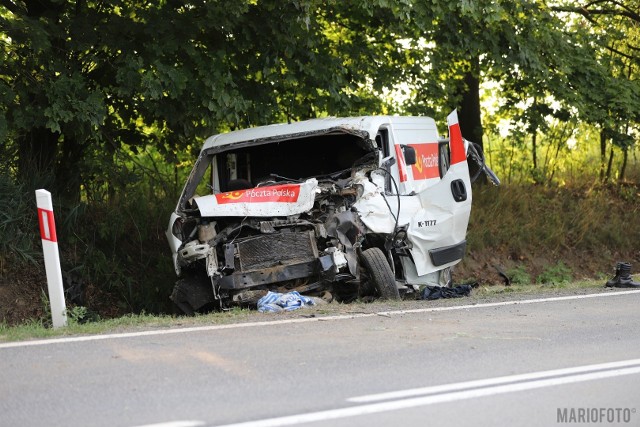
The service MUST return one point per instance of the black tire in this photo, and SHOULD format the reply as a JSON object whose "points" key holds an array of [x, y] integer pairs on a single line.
{"points": [[380, 274]]}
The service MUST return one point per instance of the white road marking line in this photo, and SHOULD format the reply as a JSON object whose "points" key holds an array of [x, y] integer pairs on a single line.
{"points": [[634, 363], [185, 423], [394, 405], [302, 320]]}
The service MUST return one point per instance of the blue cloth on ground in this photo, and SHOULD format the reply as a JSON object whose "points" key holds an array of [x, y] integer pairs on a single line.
{"points": [[274, 302]]}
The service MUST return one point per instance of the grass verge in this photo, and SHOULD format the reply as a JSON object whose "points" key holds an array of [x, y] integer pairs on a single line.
{"points": [[38, 329]]}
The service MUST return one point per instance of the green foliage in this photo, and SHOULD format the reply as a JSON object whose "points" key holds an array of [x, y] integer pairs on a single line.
{"points": [[79, 314], [119, 245], [46, 319], [115, 245], [555, 275], [106, 104], [32, 328], [519, 275], [18, 222], [127, 75], [524, 218]]}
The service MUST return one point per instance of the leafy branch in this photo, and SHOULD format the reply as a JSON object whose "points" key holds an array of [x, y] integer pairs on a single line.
{"points": [[587, 11]]}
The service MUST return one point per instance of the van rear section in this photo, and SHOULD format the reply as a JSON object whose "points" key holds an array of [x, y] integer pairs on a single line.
{"points": [[337, 208]]}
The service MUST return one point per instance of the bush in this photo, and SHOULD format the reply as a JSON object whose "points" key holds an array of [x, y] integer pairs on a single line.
{"points": [[555, 275], [120, 247], [113, 251], [519, 275], [18, 220]]}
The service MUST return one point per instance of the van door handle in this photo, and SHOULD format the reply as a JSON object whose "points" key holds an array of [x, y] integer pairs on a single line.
{"points": [[458, 190]]}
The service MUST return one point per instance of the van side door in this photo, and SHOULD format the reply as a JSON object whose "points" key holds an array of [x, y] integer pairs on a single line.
{"points": [[440, 181]]}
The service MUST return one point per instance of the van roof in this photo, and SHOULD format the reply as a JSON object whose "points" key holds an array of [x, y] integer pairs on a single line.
{"points": [[368, 124]]}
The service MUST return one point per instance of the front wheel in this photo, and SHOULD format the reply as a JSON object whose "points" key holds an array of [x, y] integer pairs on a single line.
{"points": [[380, 274], [192, 293]]}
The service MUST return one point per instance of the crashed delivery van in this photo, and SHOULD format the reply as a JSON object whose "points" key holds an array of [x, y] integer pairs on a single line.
{"points": [[340, 208]]}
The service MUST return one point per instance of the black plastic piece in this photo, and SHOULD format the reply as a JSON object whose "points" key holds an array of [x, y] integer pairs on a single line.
{"points": [[459, 190], [409, 154], [447, 254]]}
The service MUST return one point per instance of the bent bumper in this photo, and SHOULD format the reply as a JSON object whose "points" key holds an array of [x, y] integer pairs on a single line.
{"points": [[322, 267]]}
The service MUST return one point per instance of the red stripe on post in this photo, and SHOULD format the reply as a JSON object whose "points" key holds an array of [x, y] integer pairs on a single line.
{"points": [[47, 225]]}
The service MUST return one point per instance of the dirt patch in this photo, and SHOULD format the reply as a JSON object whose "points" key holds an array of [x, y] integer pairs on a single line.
{"points": [[485, 267], [21, 295]]}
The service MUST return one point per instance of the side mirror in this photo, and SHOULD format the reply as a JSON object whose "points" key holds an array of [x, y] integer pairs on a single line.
{"points": [[409, 154]]}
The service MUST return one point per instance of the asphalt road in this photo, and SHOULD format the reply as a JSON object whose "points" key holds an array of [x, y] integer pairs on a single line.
{"points": [[569, 361]]}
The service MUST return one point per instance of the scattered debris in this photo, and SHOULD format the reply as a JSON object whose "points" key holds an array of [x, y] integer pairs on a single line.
{"points": [[503, 275], [275, 302], [437, 292]]}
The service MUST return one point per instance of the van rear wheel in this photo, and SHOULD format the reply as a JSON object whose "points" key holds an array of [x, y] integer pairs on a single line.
{"points": [[380, 274]]}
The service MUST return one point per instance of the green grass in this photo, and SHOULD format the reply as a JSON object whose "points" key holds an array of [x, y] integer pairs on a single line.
{"points": [[519, 275], [540, 288], [39, 329], [116, 249], [525, 218], [558, 274], [529, 230]]}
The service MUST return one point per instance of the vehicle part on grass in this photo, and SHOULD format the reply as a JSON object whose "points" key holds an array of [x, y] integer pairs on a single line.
{"points": [[503, 275], [623, 278], [337, 208]]}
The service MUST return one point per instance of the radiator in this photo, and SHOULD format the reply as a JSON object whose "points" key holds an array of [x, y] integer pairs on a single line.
{"points": [[268, 250]]}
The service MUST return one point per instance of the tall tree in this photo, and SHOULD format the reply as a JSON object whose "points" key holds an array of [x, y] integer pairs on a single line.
{"points": [[617, 97], [81, 79], [470, 43]]}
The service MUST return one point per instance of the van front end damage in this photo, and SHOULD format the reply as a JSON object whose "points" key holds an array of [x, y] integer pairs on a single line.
{"points": [[335, 209], [244, 257]]}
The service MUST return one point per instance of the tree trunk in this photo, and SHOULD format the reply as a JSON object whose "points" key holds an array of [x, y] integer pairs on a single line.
{"points": [[603, 152], [45, 160], [534, 149], [470, 113], [36, 156], [68, 170], [533, 127], [623, 168], [608, 174]]}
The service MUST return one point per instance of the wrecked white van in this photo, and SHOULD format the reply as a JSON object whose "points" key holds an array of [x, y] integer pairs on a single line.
{"points": [[340, 208]]}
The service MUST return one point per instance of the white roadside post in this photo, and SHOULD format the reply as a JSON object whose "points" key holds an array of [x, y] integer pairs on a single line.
{"points": [[51, 258]]}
